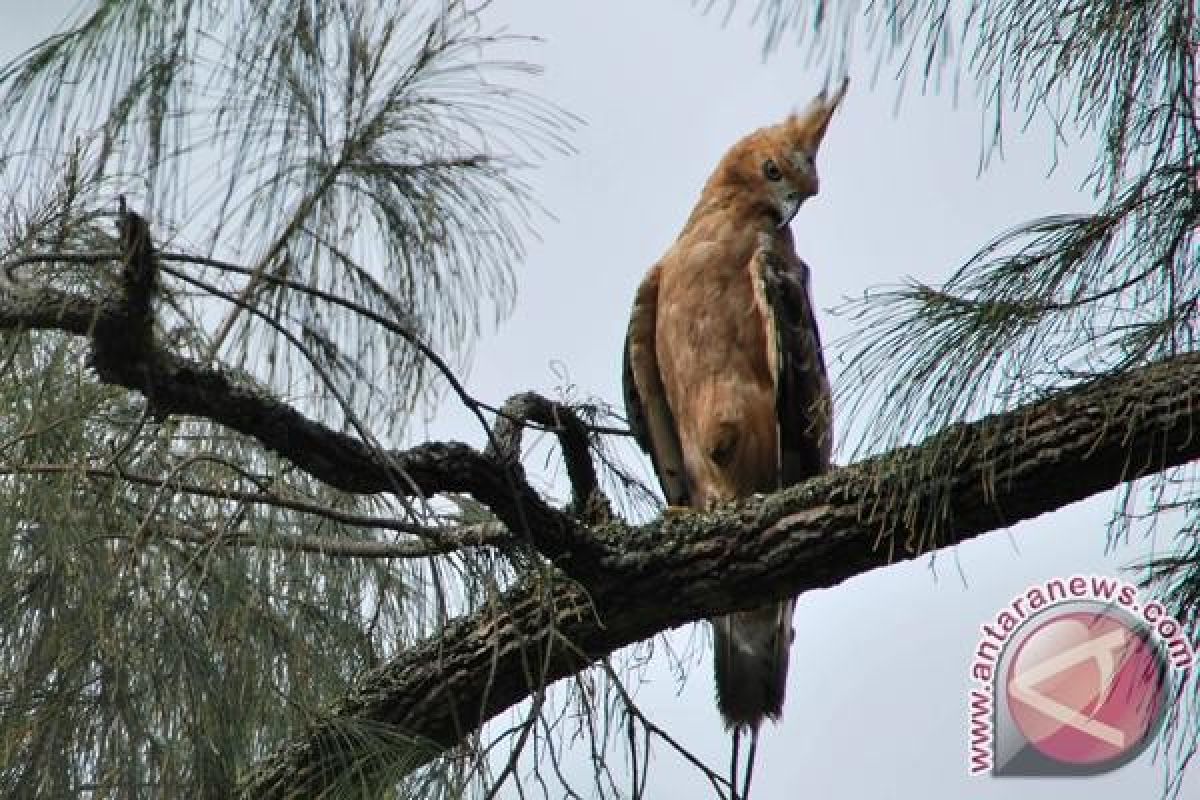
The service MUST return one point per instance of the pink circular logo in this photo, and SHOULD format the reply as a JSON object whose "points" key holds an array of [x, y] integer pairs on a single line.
{"points": [[1087, 687]]}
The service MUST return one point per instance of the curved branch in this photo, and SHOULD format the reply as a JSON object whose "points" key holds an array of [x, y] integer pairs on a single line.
{"points": [[588, 501], [176, 385], [965, 481]]}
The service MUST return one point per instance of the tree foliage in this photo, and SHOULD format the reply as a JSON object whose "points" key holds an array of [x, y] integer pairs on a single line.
{"points": [[161, 624], [221, 571]]}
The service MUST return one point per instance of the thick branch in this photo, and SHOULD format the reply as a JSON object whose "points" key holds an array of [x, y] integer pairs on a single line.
{"points": [[967, 480], [176, 385], [628, 584]]}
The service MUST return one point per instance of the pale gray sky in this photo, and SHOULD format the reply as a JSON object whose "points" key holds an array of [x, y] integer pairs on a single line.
{"points": [[880, 668]]}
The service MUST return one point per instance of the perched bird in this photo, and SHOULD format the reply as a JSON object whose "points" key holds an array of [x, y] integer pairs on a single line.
{"points": [[725, 384]]}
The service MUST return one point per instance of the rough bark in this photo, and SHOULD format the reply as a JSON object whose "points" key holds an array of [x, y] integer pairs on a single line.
{"points": [[611, 585], [958, 484]]}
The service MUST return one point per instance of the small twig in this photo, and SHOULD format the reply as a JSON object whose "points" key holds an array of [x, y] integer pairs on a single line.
{"points": [[717, 780], [358, 308], [436, 540], [476, 535]]}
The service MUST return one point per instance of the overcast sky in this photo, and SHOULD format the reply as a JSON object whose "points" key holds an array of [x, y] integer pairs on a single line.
{"points": [[877, 693]]}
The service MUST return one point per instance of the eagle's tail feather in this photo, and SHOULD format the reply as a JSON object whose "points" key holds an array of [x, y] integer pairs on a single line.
{"points": [[751, 663]]}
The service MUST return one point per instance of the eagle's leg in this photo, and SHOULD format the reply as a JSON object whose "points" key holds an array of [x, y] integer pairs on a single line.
{"points": [[733, 763], [750, 763]]}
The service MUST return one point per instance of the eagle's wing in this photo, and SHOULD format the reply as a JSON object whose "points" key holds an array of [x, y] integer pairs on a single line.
{"points": [[646, 406], [804, 407]]}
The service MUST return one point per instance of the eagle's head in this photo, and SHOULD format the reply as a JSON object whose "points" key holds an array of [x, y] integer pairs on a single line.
{"points": [[778, 164]]}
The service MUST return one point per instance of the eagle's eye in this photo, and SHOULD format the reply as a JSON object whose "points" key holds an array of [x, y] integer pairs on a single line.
{"points": [[771, 171]]}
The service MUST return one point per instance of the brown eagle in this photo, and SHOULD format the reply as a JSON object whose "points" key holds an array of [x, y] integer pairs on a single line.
{"points": [[725, 384]]}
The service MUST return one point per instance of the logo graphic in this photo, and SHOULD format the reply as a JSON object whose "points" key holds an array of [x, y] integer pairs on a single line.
{"points": [[1073, 678]]}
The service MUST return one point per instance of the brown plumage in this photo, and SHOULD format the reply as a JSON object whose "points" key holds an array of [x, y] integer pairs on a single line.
{"points": [[725, 384]]}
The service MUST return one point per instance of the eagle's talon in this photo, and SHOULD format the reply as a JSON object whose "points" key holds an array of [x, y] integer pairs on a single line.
{"points": [[675, 512]]}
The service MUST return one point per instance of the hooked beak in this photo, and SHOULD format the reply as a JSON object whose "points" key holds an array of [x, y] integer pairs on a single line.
{"points": [[791, 205]]}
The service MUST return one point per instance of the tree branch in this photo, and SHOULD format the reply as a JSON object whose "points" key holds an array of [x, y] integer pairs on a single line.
{"points": [[964, 481], [452, 540], [433, 540], [960, 483], [124, 354], [587, 500]]}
